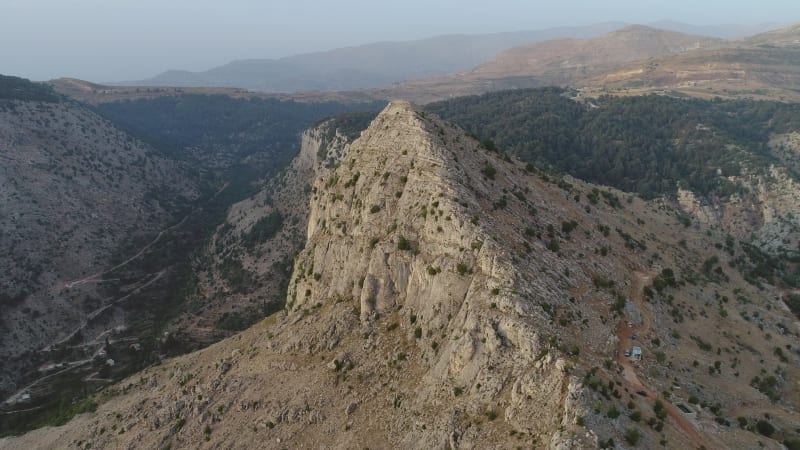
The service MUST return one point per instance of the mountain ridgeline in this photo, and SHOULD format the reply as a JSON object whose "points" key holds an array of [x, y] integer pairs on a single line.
{"points": [[451, 296], [634, 60], [367, 66], [730, 164], [649, 145]]}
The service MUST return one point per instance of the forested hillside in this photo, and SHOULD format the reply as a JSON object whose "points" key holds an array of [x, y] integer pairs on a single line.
{"points": [[649, 145], [15, 88], [220, 130]]}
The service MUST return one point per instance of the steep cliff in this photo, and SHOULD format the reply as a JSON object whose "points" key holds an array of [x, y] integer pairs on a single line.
{"points": [[404, 228], [244, 268], [765, 209]]}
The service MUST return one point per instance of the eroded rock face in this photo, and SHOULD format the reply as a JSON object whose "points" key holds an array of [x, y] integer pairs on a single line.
{"points": [[395, 228], [266, 262], [765, 205]]}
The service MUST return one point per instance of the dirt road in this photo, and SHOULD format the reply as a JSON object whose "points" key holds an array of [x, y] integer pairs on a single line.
{"points": [[97, 278], [625, 334], [97, 312]]}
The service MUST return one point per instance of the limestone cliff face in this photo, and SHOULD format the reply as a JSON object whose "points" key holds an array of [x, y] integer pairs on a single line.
{"points": [[765, 206], [692, 205], [265, 262], [404, 224]]}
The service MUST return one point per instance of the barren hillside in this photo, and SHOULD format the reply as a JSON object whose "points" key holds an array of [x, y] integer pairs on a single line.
{"points": [[79, 196], [631, 61]]}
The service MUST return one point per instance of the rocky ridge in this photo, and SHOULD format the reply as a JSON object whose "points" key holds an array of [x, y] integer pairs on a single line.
{"points": [[449, 297], [265, 256]]}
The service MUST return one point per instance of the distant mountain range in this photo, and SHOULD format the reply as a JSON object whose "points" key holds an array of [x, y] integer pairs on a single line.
{"points": [[380, 64], [634, 59], [366, 66]]}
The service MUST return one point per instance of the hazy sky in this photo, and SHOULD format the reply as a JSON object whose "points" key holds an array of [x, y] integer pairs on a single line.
{"points": [[113, 40]]}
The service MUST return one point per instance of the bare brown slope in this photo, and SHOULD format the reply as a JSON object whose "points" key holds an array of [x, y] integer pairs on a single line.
{"points": [[787, 36], [557, 62], [568, 60], [634, 61], [765, 66]]}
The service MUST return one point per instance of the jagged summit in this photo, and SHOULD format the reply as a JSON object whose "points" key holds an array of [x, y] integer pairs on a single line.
{"points": [[411, 187]]}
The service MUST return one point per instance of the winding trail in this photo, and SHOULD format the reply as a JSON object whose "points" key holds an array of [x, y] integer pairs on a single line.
{"points": [[97, 278], [70, 366], [98, 311], [625, 334]]}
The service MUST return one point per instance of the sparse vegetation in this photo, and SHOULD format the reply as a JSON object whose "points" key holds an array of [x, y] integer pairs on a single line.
{"points": [[489, 171], [403, 244], [632, 436]]}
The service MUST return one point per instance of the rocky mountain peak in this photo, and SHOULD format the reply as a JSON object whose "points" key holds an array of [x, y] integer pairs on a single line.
{"points": [[404, 229]]}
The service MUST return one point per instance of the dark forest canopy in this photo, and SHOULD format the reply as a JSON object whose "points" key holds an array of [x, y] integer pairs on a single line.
{"points": [[15, 88], [210, 122], [648, 145]]}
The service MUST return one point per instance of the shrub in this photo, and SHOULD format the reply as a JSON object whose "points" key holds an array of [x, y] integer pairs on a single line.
{"points": [[568, 227], [658, 408], [374, 209], [264, 229], [632, 436], [765, 428], [742, 422], [767, 385], [403, 244], [489, 171], [792, 444], [489, 144], [462, 268]]}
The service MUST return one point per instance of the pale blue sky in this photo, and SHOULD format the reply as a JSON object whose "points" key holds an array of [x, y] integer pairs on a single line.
{"points": [[112, 40]]}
